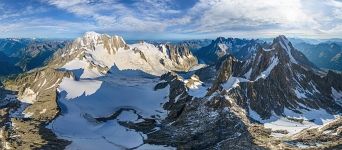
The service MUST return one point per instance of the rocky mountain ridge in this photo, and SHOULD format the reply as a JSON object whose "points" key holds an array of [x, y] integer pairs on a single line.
{"points": [[230, 104], [242, 49]]}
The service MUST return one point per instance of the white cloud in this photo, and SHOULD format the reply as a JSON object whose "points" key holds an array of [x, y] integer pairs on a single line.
{"points": [[295, 17], [114, 16], [311, 18], [43, 27]]}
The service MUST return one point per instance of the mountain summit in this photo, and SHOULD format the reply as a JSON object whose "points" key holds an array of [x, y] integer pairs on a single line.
{"points": [[101, 52]]}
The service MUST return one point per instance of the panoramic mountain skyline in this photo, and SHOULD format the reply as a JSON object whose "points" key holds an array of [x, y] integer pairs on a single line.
{"points": [[171, 19], [170, 74]]}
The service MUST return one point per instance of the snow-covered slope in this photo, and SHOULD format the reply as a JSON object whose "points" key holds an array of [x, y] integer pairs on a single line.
{"points": [[114, 83], [102, 98], [96, 53]]}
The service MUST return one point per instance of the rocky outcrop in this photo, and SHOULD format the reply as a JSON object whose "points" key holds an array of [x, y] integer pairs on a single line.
{"points": [[326, 137], [180, 55], [278, 78], [36, 106], [195, 123]]}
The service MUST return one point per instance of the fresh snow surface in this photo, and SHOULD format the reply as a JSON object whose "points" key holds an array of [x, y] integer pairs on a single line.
{"points": [[27, 114], [285, 44], [127, 116], [79, 88], [267, 50], [197, 89], [43, 111], [248, 74], [197, 67], [337, 95], [104, 96], [200, 91], [300, 93], [128, 59], [312, 119], [140, 56], [273, 62], [83, 66], [29, 96], [155, 147], [233, 82], [223, 47]]}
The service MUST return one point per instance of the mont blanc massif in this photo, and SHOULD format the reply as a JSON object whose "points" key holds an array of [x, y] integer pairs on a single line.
{"points": [[97, 91], [170, 75]]}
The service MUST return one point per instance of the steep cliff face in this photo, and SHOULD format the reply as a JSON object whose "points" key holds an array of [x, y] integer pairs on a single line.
{"points": [[277, 79], [180, 55], [194, 123]]}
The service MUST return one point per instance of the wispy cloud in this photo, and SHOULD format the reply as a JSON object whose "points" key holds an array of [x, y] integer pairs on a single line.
{"points": [[142, 16], [288, 16], [207, 18]]}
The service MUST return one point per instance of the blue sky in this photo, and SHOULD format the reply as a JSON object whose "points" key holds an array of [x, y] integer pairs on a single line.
{"points": [[171, 19]]}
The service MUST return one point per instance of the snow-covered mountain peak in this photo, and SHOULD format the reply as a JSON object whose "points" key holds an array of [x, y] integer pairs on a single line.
{"points": [[286, 46], [282, 37], [92, 34], [220, 40], [97, 53], [289, 53], [91, 39]]}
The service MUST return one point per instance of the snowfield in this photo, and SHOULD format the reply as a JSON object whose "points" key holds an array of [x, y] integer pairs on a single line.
{"points": [[273, 62], [311, 119], [83, 100]]}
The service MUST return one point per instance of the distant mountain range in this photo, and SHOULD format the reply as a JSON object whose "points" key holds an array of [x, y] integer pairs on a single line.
{"points": [[327, 55], [20, 55]]}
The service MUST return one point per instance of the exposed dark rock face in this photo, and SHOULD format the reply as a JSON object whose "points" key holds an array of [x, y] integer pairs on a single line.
{"points": [[280, 77], [195, 123], [227, 67]]}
